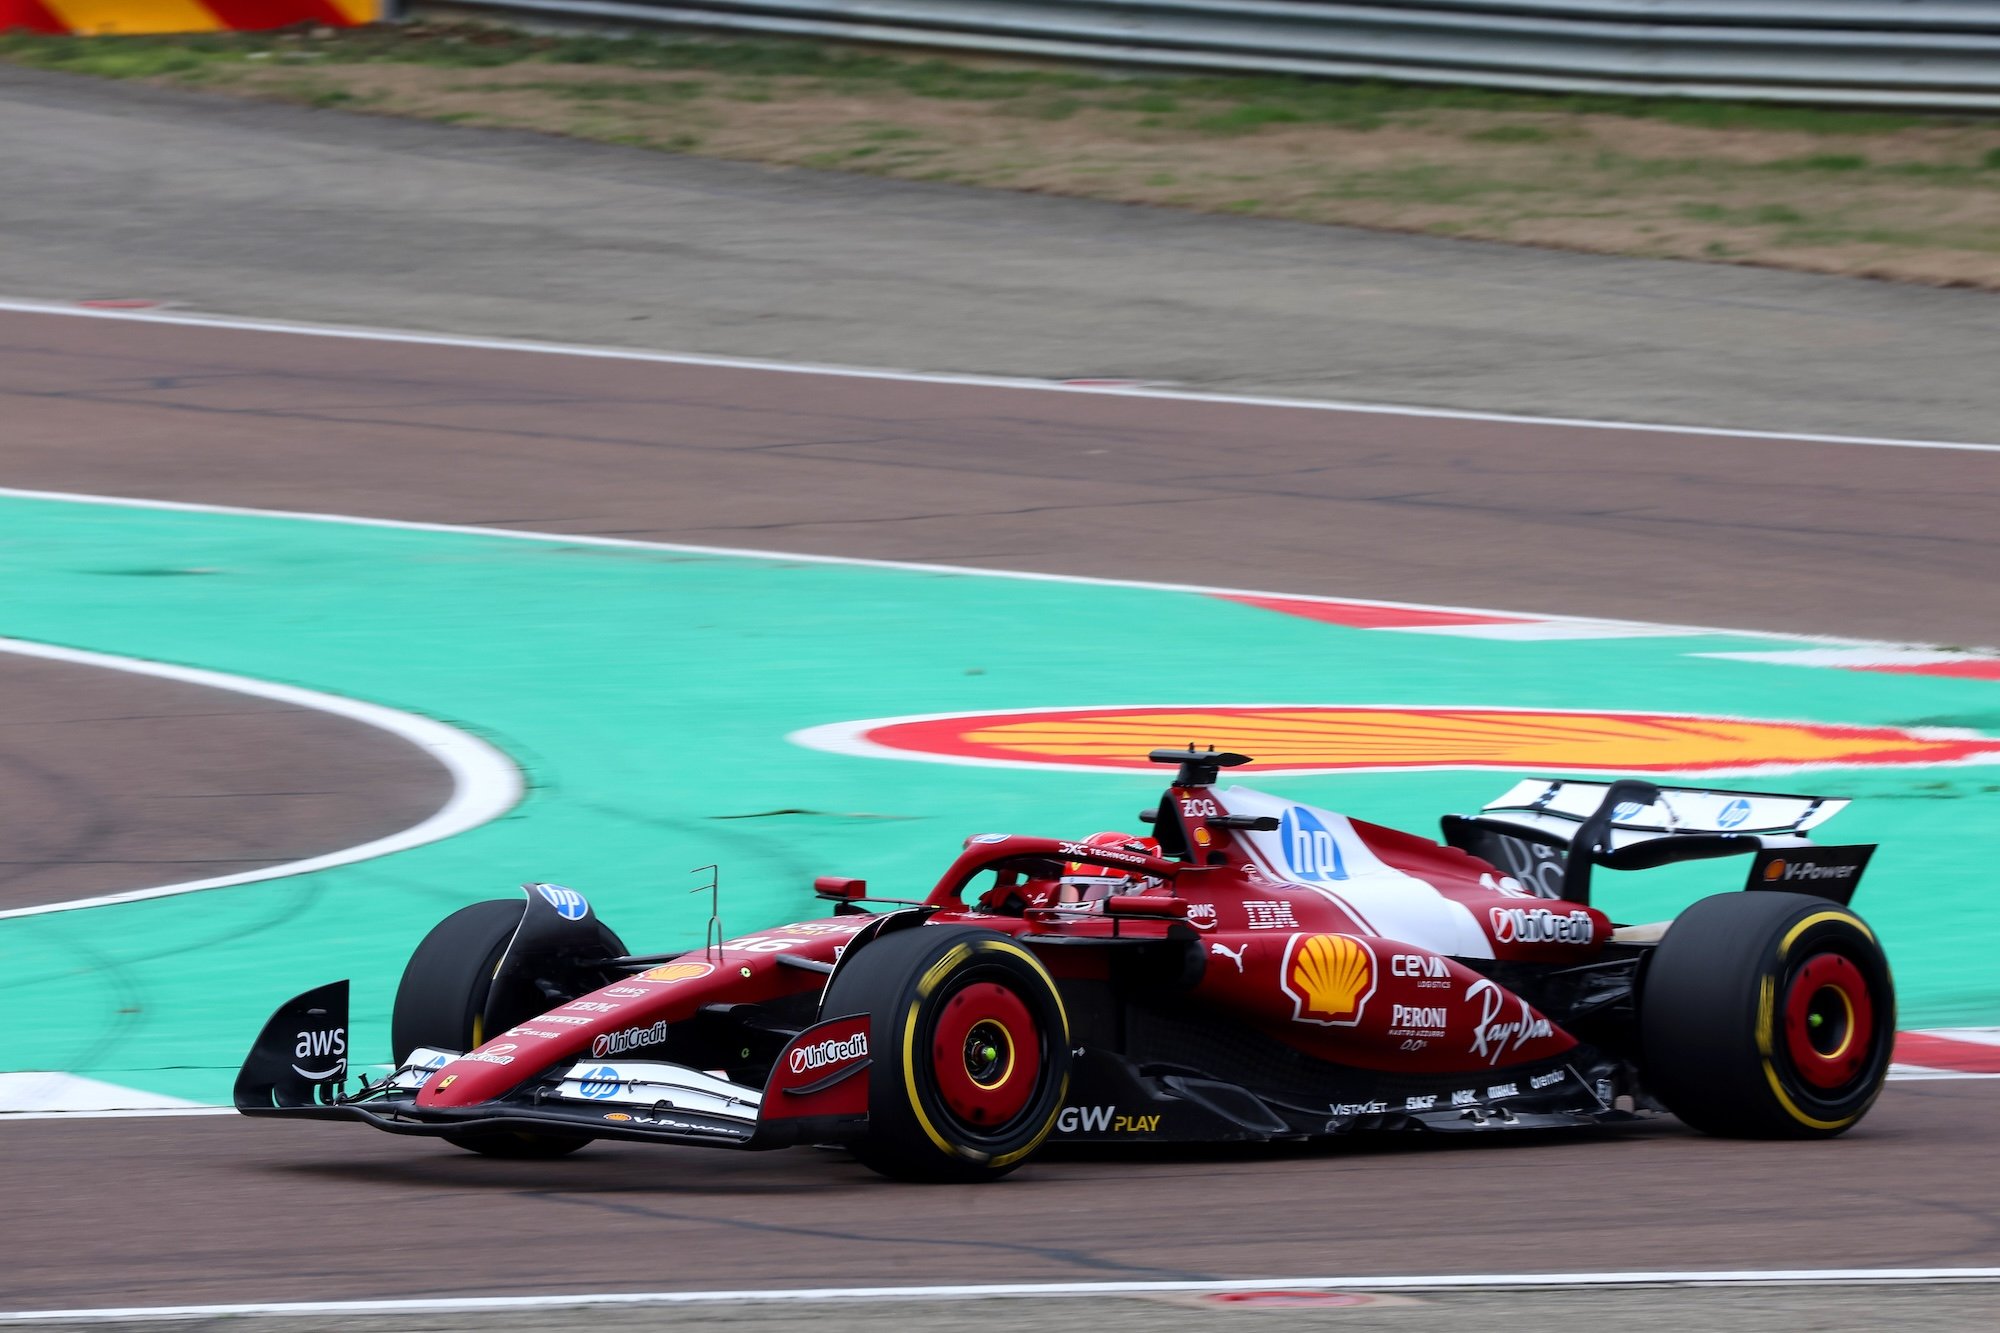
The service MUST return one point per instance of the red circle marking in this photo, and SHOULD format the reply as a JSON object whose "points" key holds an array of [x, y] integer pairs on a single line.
{"points": [[1830, 986], [986, 1093], [1334, 737], [1286, 1298]]}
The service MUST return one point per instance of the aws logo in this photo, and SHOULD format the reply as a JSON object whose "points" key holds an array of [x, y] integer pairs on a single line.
{"points": [[1328, 978], [324, 1046]]}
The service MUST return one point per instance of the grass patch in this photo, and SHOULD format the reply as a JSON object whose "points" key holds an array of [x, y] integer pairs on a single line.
{"points": [[1761, 215], [1150, 103], [1612, 174], [1044, 108], [1822, 162], [1247, 119], [1511, 134], [1252, 99], [597, 91]]}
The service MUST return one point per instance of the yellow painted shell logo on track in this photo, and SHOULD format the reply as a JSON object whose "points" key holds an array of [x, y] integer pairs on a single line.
{"points": [[1334, 737], [1329, 979]]}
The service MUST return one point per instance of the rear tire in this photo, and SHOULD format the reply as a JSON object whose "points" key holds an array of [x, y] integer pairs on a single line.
{"points": [[970, 1052], [442, 999], [1767, 1015]]}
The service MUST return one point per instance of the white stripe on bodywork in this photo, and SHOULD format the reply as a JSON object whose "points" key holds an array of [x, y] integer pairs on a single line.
{"points": [[1388, 903]]}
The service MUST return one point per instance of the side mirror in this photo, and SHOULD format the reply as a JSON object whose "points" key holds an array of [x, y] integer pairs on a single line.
{"points": [[839, 889]]}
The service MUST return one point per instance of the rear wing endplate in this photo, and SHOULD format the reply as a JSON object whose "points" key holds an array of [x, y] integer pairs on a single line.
{"points": [[1550, 833]]}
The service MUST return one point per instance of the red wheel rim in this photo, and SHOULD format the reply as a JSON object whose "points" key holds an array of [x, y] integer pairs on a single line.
{"points": [[986, 1055], [1829, 1021]]}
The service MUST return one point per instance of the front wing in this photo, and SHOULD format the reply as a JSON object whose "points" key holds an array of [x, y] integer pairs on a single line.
{"points": [[298, 1069]]}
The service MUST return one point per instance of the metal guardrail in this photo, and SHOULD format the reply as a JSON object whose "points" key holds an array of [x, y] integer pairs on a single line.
{"points": [[1929, 53]]}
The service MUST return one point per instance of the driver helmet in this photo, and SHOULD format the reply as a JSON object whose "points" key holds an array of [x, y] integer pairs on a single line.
{"points": [[1083, 882]]}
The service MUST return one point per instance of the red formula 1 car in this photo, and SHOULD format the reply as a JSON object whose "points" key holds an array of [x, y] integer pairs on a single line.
{"points": [[1255, 969]]}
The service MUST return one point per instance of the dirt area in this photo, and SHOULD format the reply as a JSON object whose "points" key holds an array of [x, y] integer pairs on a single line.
{"points": [[1907, 197]]}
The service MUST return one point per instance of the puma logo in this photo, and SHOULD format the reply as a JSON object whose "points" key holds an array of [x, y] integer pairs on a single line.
{"points": [[1233, 955]]}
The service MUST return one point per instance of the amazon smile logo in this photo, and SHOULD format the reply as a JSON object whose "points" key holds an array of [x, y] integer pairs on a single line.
{"points": [[1324, 738]]}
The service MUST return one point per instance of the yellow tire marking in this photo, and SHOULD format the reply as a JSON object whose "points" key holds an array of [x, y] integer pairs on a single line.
{"points": [[1847, 1039], [1008, 946], [929, 982], [1007, 1067], [1771, 1075], [934, 975], [910, 1080], [1767, 991], [1764, 1015], [1792, 935], [1055, 1109]]}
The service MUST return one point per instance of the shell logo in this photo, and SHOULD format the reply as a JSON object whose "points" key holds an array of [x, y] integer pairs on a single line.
{"points": [[1320, 738], [676, 972], [1775, 870], [1329, 979]]}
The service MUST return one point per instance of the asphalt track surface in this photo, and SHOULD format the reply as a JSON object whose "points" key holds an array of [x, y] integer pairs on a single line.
{"points": [[175, 1211], [1759, 534], [221, 1209], [203, 782], [120, 190]]}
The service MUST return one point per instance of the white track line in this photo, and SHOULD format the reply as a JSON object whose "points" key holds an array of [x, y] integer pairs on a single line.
{"points": [[120, 1113], [187, 319], [44, 1092], [485, 783], [985, 1291], [1859, 659]]}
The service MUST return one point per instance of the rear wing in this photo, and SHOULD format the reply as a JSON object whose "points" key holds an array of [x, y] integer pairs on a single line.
{"points": [[1550, 834]]}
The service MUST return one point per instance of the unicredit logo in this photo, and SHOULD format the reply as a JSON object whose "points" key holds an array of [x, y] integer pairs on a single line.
{"points": [[1516, 925], [617, 1043], [829, 1052]]}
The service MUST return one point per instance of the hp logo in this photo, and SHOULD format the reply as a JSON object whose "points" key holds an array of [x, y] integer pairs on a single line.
{"points": [[1310, 850], [566, 901]]}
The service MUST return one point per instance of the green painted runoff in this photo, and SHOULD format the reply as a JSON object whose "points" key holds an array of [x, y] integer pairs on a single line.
{"points": [[647, 695]]}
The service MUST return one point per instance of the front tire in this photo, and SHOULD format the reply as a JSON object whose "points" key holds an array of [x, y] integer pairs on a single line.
{"points": [[441, 1002], [970, 1052], [1767, 1015]]}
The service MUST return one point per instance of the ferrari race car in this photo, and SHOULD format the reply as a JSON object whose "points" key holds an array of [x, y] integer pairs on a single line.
{"points": [[1255, 969]]}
